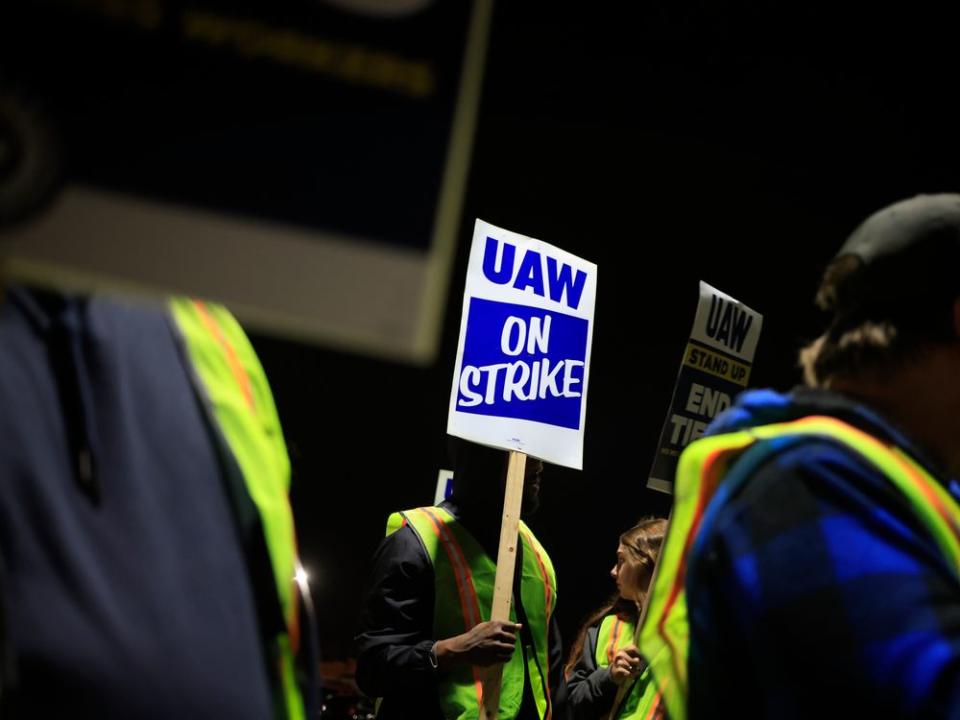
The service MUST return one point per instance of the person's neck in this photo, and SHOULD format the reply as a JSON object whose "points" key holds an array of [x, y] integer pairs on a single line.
{"points": [[482, 519], [922, 398]]}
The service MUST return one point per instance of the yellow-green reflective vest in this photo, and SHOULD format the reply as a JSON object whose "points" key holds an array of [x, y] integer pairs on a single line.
{"points": [[616, 633], [463, 584], [238, 400], [702, 472]]}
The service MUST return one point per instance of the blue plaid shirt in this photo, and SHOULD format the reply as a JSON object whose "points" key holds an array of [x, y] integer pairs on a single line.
{"points": [[814, 591]]}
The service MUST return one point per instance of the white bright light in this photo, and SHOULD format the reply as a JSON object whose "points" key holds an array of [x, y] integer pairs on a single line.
{"points": [[301, 576]]}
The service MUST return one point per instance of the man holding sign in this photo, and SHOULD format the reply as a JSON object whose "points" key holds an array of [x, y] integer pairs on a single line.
{"points": [[488, 648], [425, 631]]}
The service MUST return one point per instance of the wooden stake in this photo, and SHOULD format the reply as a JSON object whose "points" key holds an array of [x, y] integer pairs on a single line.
{"points": [[503, 584]]}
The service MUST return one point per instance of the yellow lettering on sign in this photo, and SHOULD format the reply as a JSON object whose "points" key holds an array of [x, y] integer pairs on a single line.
{"points": [[716, 364]]}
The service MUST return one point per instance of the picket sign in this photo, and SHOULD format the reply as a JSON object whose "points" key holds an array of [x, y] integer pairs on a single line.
{"points": [[716, 365], [520, 381]]}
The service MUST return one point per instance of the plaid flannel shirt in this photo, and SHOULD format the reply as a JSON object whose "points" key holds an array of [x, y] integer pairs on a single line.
{"points": [[815, 591]]}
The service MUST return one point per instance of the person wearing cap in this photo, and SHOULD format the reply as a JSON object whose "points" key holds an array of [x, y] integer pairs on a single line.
{"points": [[423, 642], [812, 564]]}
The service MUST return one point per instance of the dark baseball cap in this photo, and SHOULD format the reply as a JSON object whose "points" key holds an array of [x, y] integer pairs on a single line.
{"points": [[902, 263]]}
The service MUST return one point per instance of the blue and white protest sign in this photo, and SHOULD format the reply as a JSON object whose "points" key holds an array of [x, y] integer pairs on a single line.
{"points": [[444, 486], [523, 360], [716, 366]]}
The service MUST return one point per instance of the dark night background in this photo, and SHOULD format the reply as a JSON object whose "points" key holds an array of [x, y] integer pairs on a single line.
{"points": [[732, 142]]}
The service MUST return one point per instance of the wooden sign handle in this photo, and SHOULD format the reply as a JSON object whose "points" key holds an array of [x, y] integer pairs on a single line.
{"points": [[503, 584]]}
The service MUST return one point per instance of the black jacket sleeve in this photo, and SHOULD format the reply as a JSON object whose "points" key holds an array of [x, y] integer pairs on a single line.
{"points": [[396, 622], [590, 689]]}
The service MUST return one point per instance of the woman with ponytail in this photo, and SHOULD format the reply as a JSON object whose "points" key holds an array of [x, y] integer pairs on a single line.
{"points": [[603, 657]]}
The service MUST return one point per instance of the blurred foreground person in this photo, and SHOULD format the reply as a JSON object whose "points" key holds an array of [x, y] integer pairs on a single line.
{"points": [[812, 564], [147, 551]]}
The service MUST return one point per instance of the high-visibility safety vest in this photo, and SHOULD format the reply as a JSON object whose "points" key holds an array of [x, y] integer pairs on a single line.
{"points": [[703, 485], [233, 387], [643, 700], [463, 584]]}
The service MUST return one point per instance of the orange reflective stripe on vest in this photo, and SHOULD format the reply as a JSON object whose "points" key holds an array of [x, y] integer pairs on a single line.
{"points": [[464, 579], [703, 466], [236, 367], [229, 378], [614, 640], [243, 381], [655, 705], [713, 469], [922, 490], [548, 604], [465, 589]]}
